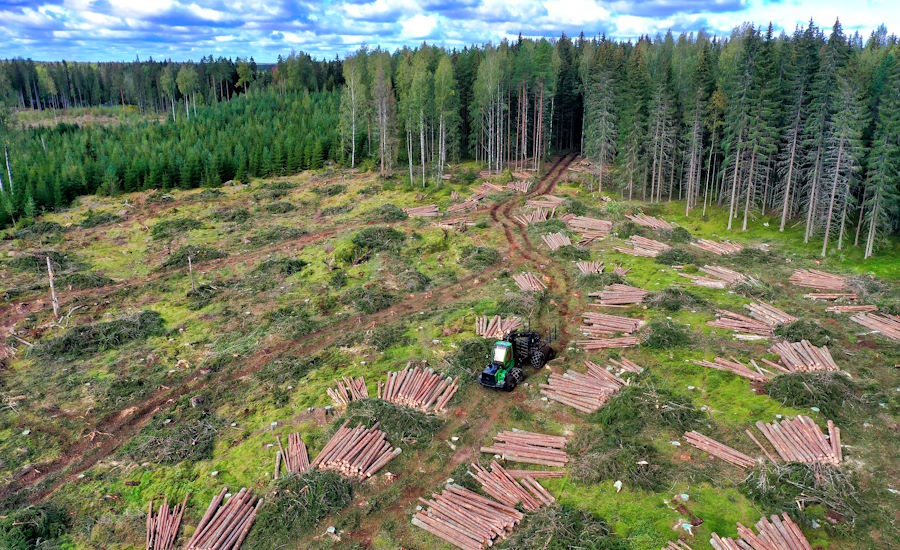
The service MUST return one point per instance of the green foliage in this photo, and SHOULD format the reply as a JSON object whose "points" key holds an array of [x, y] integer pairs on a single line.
{"points": [[370, 299], [198, 254], [469, 359], [208, 194], [87, 339], [755, 289], [276, 234], [331, 190], [200, 297], [676, 256], [575, 206], [291, 369], [337, 209], [338, 279], [388, 212], [560, 527], [680, 235], [410, 279], [38, 229], [596, 281], [36, 262], [805, 329], [629, 228], [401, 425], [478, 258], [231, 215], [33, 527], [570, 253], [389, 335], [281, 207], [523, 304], [184, 433], [84, 279], [169, 229], [752, 257], [835, 394], [159, 197], [674, 299], [294, 320], [378, 238], [95, 219], [281, 266], [666, 334], [645, 405], [294, 505]]}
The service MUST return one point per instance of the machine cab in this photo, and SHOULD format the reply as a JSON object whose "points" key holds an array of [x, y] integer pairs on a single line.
{"points": [[502, 355]]}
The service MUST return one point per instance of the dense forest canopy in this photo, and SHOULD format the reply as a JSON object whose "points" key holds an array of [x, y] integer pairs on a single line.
{"points": [[804, 126]]}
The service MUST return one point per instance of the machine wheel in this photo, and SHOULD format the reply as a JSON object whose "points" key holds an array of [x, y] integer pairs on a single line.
{"points": [[514, 378], [538, 359]]}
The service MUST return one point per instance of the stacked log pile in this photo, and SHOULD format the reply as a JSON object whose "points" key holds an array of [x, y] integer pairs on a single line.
{"points": [[529, 282], [162, 528], [418, 388], [499, 484], [625, 365], [529, 447], [820, 280], [719, 248], [536, 474], [533, 216], [585, 392], [642, 246], [589, 268], [295, 458], [555, 241], [738, 368], [597, 344], [591, 229], [496, 326], [486, 188], [620, 295], [676, 545], [778, 534], [800, 440], [359, 452], [887, 325], [522, 186], [428, 211], [471, 203], [225, 527], [719, 450], [651, 222], [740, 323], [621, 270], [601, 324], [803, 357], [550, 202], [852, 309], [718, 277], [769, 314], [347, 390], [831, 296], [465, 519]]}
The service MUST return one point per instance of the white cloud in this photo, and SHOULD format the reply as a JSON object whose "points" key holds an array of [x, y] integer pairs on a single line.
{"points": [[418, 26]]}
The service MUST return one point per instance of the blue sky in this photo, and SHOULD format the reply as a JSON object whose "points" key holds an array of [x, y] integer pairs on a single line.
{"points": [[84, 30]]}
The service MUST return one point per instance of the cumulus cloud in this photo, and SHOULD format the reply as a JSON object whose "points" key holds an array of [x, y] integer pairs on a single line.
{"points": [[188, 29]]}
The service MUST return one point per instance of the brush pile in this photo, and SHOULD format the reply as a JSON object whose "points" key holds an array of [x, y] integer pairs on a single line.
{"points": [[295, 458], [522, 186], [347, 390], [719, 450], [800, 440], [620, 295], [778, 534], [813, 278], [887, 325], [802, 357], [535, 215], [717, 277], [550, 202], [418, 388], [831, 296], [496, 326], [642, 246], [529, 282], [465, 519], [585, 392], [358, 453], [556, 240], [591, 229], [738, 368], [499, 484], [719, 248], [428, 211], [162, 529], [603, 325], [651, 222], [225, 527], [768, 314], [852, 309], [589, 268], [740, 323], [529, 447]]}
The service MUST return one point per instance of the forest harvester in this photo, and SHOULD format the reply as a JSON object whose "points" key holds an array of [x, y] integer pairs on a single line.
{"points": [[511, 355]]}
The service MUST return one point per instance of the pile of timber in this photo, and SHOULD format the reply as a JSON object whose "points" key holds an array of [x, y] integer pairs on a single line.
{"points": [[428, 211], [778, 534], [585, 392], [590, 228], [718, 277], [800, 440], [521, 175], [676, 545], [529, 282], [347, 390], [499, 484], [225, 527], [545, 201], [486, 188], [852, 309], [621, 270], [529, 447], [813, 278], [162, 528], [768, 314], [642, 246], [831, 296], [359, 452], [556, 240], [740, 323], [625, 365], [522, 186], [496, 327], [454, 195], [465, 519], [719, 248], [738, 368], [719, 450], [803, 357], [295, 458], [470, 203], [602, 325], [589, 268], [887, 325], [536, 215], [535, 474], [418, 388], [619, 295], [649, 221], [597, 344]]}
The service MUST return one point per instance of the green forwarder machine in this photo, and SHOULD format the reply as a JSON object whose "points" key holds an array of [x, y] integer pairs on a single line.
{"points": [[511, 355]]}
